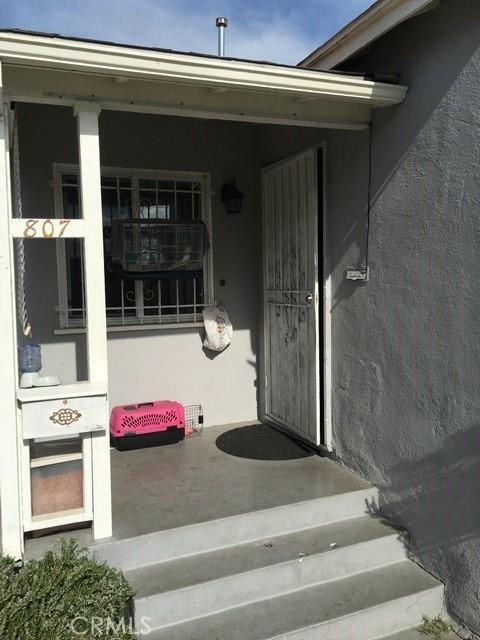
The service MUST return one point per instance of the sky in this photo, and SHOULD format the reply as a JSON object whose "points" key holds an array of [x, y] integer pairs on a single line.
{"points": [[282, 31]]}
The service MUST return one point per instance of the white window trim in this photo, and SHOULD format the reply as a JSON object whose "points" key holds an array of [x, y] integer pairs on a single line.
{"points": [[68, 325]]}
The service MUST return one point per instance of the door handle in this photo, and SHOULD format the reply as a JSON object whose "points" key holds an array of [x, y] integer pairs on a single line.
{"points": [[309, 298]]}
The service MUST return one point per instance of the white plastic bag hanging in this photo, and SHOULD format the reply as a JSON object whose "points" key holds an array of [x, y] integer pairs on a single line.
{"points": [[218, 328]]}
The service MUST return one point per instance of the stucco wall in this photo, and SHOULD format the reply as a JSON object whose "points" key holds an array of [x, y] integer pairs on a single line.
{"points": [[406, 345], [157, 364]]}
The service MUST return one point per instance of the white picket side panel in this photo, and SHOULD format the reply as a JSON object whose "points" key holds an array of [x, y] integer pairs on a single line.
{"points": [[10, 484], [96, 321]]}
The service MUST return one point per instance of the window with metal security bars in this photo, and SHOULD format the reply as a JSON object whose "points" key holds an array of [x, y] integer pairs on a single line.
{"points": [[172, 203]]}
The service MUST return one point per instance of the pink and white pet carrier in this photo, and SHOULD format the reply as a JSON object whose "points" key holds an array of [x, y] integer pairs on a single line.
{"points": [[148, 424]]}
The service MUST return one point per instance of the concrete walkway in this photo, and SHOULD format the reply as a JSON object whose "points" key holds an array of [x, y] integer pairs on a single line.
{"points": [[194, 481]]}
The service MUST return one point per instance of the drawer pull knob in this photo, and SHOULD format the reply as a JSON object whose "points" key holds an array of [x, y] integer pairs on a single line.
{"points": [[65, 417]]}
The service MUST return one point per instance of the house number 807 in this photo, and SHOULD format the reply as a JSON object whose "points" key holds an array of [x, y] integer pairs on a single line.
{"points": [[49, 229]]}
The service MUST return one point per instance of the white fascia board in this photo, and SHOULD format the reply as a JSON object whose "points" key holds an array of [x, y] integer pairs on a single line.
{"points": [[381, 17], [125, 62]]}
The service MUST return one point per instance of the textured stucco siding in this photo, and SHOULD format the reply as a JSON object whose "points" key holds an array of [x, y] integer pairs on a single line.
{"points": [[406, 345]]}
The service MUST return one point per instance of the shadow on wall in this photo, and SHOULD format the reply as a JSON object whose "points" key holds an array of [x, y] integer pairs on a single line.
{"points": [[432, 499]]}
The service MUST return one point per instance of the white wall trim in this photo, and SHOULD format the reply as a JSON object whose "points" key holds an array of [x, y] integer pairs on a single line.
{"points": [[381, 17], [134, 327], [91, 205], [10, 471], [327, 313]]}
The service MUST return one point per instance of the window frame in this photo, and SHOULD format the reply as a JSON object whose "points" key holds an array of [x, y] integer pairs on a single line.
{"points": [[140, 320]]}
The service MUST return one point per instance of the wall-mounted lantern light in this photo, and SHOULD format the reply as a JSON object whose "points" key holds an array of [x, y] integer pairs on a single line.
{"points": [[232, 197]]}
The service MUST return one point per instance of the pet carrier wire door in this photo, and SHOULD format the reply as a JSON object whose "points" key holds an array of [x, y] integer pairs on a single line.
{"points": [[153, 249]]}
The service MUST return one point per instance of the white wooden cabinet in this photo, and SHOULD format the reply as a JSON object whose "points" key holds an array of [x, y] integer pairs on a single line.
{"points": [[57, 473]]}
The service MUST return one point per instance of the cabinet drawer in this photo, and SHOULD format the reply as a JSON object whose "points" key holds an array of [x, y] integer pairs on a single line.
{"points": [[50, 418]]}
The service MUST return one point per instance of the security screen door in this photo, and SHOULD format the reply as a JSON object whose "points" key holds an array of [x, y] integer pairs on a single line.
{"points": [[292, 389]]}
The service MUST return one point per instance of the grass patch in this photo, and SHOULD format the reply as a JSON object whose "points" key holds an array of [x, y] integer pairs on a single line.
{"points": [[435, 627], [66, 595]]}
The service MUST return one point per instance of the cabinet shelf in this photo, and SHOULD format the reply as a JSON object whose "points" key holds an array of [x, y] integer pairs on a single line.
{"points": [[75, 390], [55, 459]]}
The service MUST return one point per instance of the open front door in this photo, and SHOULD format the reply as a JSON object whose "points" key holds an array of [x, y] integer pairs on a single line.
{"points": [[292, 389]]}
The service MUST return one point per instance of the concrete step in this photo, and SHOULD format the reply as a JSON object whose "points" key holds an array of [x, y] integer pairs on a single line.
{"points": [[203, 537], [365, 606], [233, 576]]}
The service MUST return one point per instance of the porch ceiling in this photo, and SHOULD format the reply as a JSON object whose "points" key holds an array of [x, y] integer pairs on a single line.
{"points": [[62, 71]]}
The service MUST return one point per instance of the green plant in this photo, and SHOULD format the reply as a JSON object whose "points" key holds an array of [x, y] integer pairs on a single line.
{"points": [[64, 596], [435, 627]]}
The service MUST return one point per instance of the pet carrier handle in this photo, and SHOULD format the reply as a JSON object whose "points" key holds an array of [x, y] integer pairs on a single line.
{"points": [[145, 404]]}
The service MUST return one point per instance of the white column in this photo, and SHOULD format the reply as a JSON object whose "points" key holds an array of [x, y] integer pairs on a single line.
{"points": [[89, 154], [10, 483]]}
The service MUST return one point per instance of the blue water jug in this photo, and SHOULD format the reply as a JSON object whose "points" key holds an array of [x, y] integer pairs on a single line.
{"points": [[30, 358]]}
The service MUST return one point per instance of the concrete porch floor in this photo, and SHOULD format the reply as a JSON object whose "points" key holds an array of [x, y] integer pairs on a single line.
{"points": [[195, 481]]}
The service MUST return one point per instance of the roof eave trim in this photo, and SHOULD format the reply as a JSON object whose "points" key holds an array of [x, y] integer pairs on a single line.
{"points": [[381, 17], [69, 55]]}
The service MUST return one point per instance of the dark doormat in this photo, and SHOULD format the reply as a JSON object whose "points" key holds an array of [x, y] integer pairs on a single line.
{"points": [[261, 442]]}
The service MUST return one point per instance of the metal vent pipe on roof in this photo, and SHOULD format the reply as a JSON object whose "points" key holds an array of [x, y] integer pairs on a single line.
{"points": [[221, 24]]}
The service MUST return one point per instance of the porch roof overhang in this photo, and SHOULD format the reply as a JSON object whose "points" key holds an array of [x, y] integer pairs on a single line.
{"points": [[57, 70]]}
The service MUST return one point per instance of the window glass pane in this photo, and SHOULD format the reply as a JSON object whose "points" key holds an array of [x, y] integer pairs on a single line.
{"points": [[129, 298], [109, 181], [109, 205], [120, 297], [197, 186], [115, 205], [126, 182], [166, 185], [190, 296], [186, 296], [184, 206], [200, 290], [71, 207], [113, 289], [150, 297], [184, 186], [125, 209], [169, 297], [69, 178], [197, 206], [148, 204], [166, 206], [145, 183], [74, 258]]}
